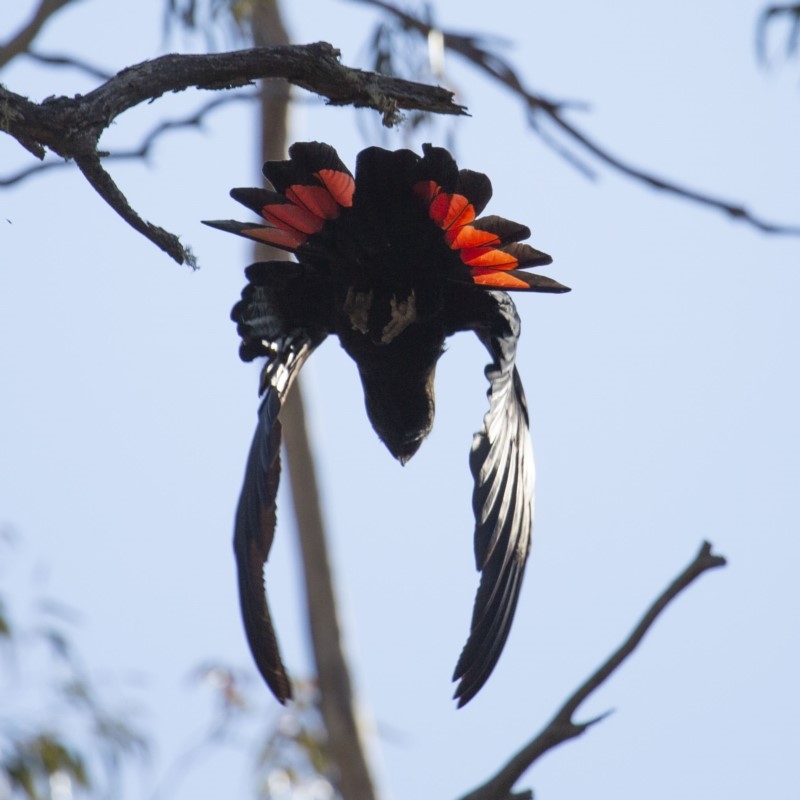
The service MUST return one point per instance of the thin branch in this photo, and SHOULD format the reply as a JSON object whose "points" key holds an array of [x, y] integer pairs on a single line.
{"points": [[35, 169], [732, 209], [69, 61], [21, 41], [194, 120], [89, 164], [501, 70], [562, 727], [72, 126]]}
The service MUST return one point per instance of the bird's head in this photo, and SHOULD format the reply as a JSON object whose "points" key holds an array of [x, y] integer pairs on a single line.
{"points": [[400, 405], [398, 387]]}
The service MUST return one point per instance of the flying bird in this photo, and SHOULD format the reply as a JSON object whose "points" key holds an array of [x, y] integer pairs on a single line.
{"points": [[392, 261]]}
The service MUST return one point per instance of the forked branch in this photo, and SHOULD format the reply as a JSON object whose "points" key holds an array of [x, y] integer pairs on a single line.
{"points": [[563, 727], [71, 126]]}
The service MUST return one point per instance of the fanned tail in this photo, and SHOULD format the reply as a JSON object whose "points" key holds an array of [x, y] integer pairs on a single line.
{"points": [[310, 188], [488, 246]]}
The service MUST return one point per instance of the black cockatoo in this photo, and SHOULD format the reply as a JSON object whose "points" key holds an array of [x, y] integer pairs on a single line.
{"points": [[392, 261]]}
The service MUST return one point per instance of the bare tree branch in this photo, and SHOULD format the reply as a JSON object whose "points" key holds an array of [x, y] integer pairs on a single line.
{"points": [[72, 126], [733, 210], [69, 61], [537, 106], [58, 122], [89, 164], [562, 727], [194, 120], [21, 41]]}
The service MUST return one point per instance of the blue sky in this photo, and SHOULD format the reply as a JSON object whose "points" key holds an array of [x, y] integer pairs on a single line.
{"points": [[663, 392]]}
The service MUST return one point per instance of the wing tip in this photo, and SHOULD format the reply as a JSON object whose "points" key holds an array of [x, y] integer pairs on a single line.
{"points": [[280, 686], [463, 695], [471, 677], [254, 530]]}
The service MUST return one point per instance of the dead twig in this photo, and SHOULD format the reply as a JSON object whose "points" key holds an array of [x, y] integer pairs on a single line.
{"points": [[562, 727]]}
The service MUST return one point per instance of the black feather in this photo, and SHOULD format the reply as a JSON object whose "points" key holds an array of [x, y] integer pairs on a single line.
{"points": [[391, 264]]}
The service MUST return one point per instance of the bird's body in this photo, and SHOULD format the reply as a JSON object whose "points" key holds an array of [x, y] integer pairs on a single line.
{"points": [[392, 262]]}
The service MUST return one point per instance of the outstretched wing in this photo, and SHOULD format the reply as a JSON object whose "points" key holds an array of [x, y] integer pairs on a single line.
{"points": [[262, 335], [252, 541], [501, 461]]}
